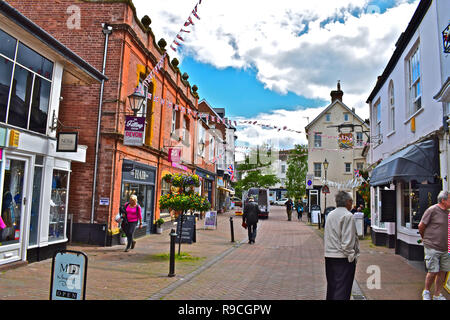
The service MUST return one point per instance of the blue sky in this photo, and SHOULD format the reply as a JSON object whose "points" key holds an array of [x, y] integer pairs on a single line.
{"points": [[239, 91]]}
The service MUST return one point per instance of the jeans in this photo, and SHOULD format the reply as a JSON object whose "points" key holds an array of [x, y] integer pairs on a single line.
{"points": [[129, 231], [251, 228]]}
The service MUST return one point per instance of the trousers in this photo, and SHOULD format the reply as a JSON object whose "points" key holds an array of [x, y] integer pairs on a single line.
{"points": [[129, 231], [251, 228], [340, 274]]}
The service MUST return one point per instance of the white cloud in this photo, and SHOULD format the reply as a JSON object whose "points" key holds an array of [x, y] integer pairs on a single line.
{"points": [[298, 46]]}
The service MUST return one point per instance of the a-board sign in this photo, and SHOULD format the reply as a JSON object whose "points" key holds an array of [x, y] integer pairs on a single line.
{"points": [[211, 219], [68, 278], [188, 234]]}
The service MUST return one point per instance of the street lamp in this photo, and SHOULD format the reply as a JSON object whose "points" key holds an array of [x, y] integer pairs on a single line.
{"points": [[136, 100], [325, 166]]}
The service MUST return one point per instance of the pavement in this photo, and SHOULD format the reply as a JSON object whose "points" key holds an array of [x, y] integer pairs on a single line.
{"points": [[285, 263]]}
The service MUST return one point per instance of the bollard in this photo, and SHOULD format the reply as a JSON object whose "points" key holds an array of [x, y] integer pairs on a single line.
{"points": [[232, 229], [173, 237]]}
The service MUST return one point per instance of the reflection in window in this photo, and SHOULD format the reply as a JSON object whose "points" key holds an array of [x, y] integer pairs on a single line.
{"points": [[410, 204], [20, 97], [8, 47], [36, 199], [5, 83], [34, 61], [39, 105], [58, 205]]}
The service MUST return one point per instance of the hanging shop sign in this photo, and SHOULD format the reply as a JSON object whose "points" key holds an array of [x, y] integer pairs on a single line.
{"points": [[69, 274], [134, 131], [174, 155], [67, 142], [446, 39], [345, 141]]}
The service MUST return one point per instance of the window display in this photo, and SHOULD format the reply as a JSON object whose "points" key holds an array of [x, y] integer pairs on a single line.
{"points": [[58, 206]]}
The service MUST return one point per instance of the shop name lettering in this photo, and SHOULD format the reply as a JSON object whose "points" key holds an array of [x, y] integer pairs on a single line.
{"points": [[69, 276], [134, 125], [140, 174]]}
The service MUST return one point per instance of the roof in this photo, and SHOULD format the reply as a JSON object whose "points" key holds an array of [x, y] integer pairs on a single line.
{"points": [[330, 107], [31, 27], [401, 44]]}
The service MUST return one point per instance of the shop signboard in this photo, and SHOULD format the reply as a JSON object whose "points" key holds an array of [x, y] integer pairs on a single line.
{"points": [[3, 134], [188, 233], [14, 138], [67, 142], [174, 155], [68, 278], [134, 131], [211, 219], [345, 141]]}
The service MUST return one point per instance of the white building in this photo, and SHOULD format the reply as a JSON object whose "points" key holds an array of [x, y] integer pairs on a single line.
{"points": [[34, 175], [408, 146], [326, 141]]}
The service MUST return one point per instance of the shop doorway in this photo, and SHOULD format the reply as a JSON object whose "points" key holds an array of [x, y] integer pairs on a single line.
{"points": [[313, 198], [14, 204], [145, 197]]}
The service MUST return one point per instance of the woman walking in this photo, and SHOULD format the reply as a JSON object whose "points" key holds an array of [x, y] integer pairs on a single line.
{"points": [[133, 214]]}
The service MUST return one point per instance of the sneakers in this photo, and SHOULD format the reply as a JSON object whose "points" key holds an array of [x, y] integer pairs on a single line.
{"points": [[426, 295], [439, 297]]}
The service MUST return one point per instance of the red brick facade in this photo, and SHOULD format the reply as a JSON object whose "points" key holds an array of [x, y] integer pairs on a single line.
{"points": [[132, 54]]}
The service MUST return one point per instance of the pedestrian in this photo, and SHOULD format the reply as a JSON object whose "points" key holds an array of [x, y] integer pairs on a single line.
{"points": [[433, 229], [133, 213], [299, 208], [341, 249], [250, 218], [289, 206]]}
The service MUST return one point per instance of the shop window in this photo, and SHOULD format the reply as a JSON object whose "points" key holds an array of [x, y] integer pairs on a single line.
{"points": [[58, 205], [35, 206], [142, 194], [410, 204]]}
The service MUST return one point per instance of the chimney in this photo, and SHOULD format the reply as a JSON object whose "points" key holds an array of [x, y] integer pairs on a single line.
{"points": [[337, 94]]}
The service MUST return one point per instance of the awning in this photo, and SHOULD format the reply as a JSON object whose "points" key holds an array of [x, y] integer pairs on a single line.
{"points": [[226, 190], [417, 162]]}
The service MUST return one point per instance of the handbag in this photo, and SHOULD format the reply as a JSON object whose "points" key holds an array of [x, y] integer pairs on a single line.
{"points": [[118, 217], [244, 225]]}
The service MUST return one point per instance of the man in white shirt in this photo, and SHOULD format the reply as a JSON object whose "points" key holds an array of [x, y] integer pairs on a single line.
{"points": [[341, 249]]}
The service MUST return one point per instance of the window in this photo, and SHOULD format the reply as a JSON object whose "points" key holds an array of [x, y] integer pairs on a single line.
{"points": [[25, 100], [317, 169], [391, 107], [185, 130], [283, 168], [328, 117], [376, 216], [360, 166], [201, 139], [359, 139], [348, 167], [377, 116], [174, 122], [415, 90], [36, 200], [346, 117], [410, 204], [317, 140], [58, 205], [211, 148]]}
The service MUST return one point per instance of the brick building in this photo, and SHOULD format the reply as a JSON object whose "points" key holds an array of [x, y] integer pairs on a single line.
{"points": [[111, 32]]}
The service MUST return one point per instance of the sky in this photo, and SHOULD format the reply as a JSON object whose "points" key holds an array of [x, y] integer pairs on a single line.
{"points": [[276, 62]]}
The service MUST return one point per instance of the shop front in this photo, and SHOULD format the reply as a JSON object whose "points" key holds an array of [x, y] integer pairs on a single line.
{"points": [[139, 179], [403, 186], [207, 185]]}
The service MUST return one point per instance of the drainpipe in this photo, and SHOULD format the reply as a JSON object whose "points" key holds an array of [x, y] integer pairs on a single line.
{"points": [[107, 30]]}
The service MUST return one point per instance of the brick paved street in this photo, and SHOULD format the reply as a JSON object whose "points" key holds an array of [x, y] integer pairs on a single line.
{"points": [[286, 263]]}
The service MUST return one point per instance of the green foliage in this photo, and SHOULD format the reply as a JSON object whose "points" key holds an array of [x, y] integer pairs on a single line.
{"points": [[296, 172], [159, 222]]}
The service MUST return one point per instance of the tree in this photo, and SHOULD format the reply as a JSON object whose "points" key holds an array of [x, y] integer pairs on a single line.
{"points": [[296, 172]]}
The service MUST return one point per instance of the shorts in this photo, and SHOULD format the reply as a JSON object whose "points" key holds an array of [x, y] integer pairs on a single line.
{"points": [[436, 261]]}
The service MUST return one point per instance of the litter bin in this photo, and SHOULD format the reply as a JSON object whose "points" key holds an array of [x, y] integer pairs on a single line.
{"points": [[359, 221]]}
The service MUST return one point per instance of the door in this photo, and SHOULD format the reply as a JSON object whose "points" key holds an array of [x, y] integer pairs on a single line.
{"points": [[14, 199], [148, 215], [313, 198]]}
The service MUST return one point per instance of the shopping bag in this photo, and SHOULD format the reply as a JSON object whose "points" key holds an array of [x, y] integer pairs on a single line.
{"points": [[244, 225]]}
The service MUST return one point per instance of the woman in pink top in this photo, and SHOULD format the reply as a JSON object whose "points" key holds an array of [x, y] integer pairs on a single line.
{"points": [[134, 215]]}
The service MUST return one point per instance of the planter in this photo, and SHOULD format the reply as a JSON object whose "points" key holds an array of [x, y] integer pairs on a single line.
{"points": [[159, 230], [123, 240]]}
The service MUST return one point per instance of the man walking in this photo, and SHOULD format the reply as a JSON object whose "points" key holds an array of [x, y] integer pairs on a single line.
{"points": [[341, 249], [433, 229], [250, 217], [289, 204]]}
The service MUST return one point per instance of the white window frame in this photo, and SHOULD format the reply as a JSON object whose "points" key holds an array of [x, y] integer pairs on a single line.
{"points": [[377, 121], [391, 107], [359, 139], [320, 164], [211, 148], [327, 117], [174, 122], [414, 81], [317, 140], [184, 129], [350, 167]]}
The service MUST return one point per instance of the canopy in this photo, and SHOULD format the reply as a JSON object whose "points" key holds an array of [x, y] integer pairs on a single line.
{"points": [[417, 162]]}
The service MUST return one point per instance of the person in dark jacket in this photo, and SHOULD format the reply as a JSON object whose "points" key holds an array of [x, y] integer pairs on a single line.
{"points": [[250, 217], [289, 205]]}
